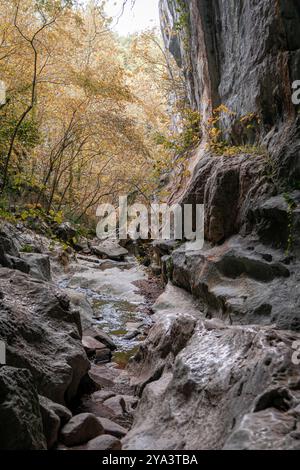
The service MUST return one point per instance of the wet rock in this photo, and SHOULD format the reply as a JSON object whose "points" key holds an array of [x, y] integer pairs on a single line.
{"points": [[112, 428], [251, 433], [110, 250], [104, 442], [91, 345], [9, 254], [101, 336], [81, 429], [203, 395], [169, 335], [39, 265], [131, 335], [21, 421], [156, 269], [42, 335]]}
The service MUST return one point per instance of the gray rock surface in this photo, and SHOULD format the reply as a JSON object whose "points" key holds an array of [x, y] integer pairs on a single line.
{"points": [[21, 422], [39, 265], [81, 429], [41, 334], [202, 395], [110, 250]]}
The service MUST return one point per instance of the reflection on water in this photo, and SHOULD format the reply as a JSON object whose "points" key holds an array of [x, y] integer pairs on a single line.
{"points": [[112, 311]]}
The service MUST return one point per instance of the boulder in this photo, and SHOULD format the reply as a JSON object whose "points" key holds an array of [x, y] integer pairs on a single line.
{"points": [[39, 265], [110, 250], [81, 429], [104, 442], [121, 404], [21, 422], [42, 335], [202, 398], [101, 336], [112, 428], [51, 423], [91, 345]]}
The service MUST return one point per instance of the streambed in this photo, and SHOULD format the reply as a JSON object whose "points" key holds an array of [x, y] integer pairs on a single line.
{"points": [[109, 298]]}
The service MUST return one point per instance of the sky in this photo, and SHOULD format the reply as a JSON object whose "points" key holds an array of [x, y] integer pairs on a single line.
{"points": [[143, 15]]}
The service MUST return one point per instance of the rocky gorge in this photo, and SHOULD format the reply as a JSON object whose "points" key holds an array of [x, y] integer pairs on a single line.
{"points": [[214, 362]]}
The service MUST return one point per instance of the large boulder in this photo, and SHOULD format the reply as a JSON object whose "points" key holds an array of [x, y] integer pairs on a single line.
{"points": [[81, 429], [21, 422], [42, 335], [202, 395], [54, 416], [241, 282], [110, 250]]}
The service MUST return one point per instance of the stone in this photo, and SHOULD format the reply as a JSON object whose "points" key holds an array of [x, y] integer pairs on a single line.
{"points": [[51, 424], [91, 345], [271, 218], [20, 416], [110, 250], [81, 429], [102, 395], [61, 411], [101, 336], [236, 284], [121, 404], [103, 356], [39, 265], [42, 335], [222, 375], [103, 376], [104, 442], [80, 303], [112, 428], [116, 404], [65, 231]]}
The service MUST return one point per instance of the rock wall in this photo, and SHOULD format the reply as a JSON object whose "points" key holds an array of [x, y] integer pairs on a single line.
{"points": [[241, 54]]}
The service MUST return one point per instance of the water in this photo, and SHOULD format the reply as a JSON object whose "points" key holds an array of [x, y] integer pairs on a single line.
{"points": [[117, 305]]}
